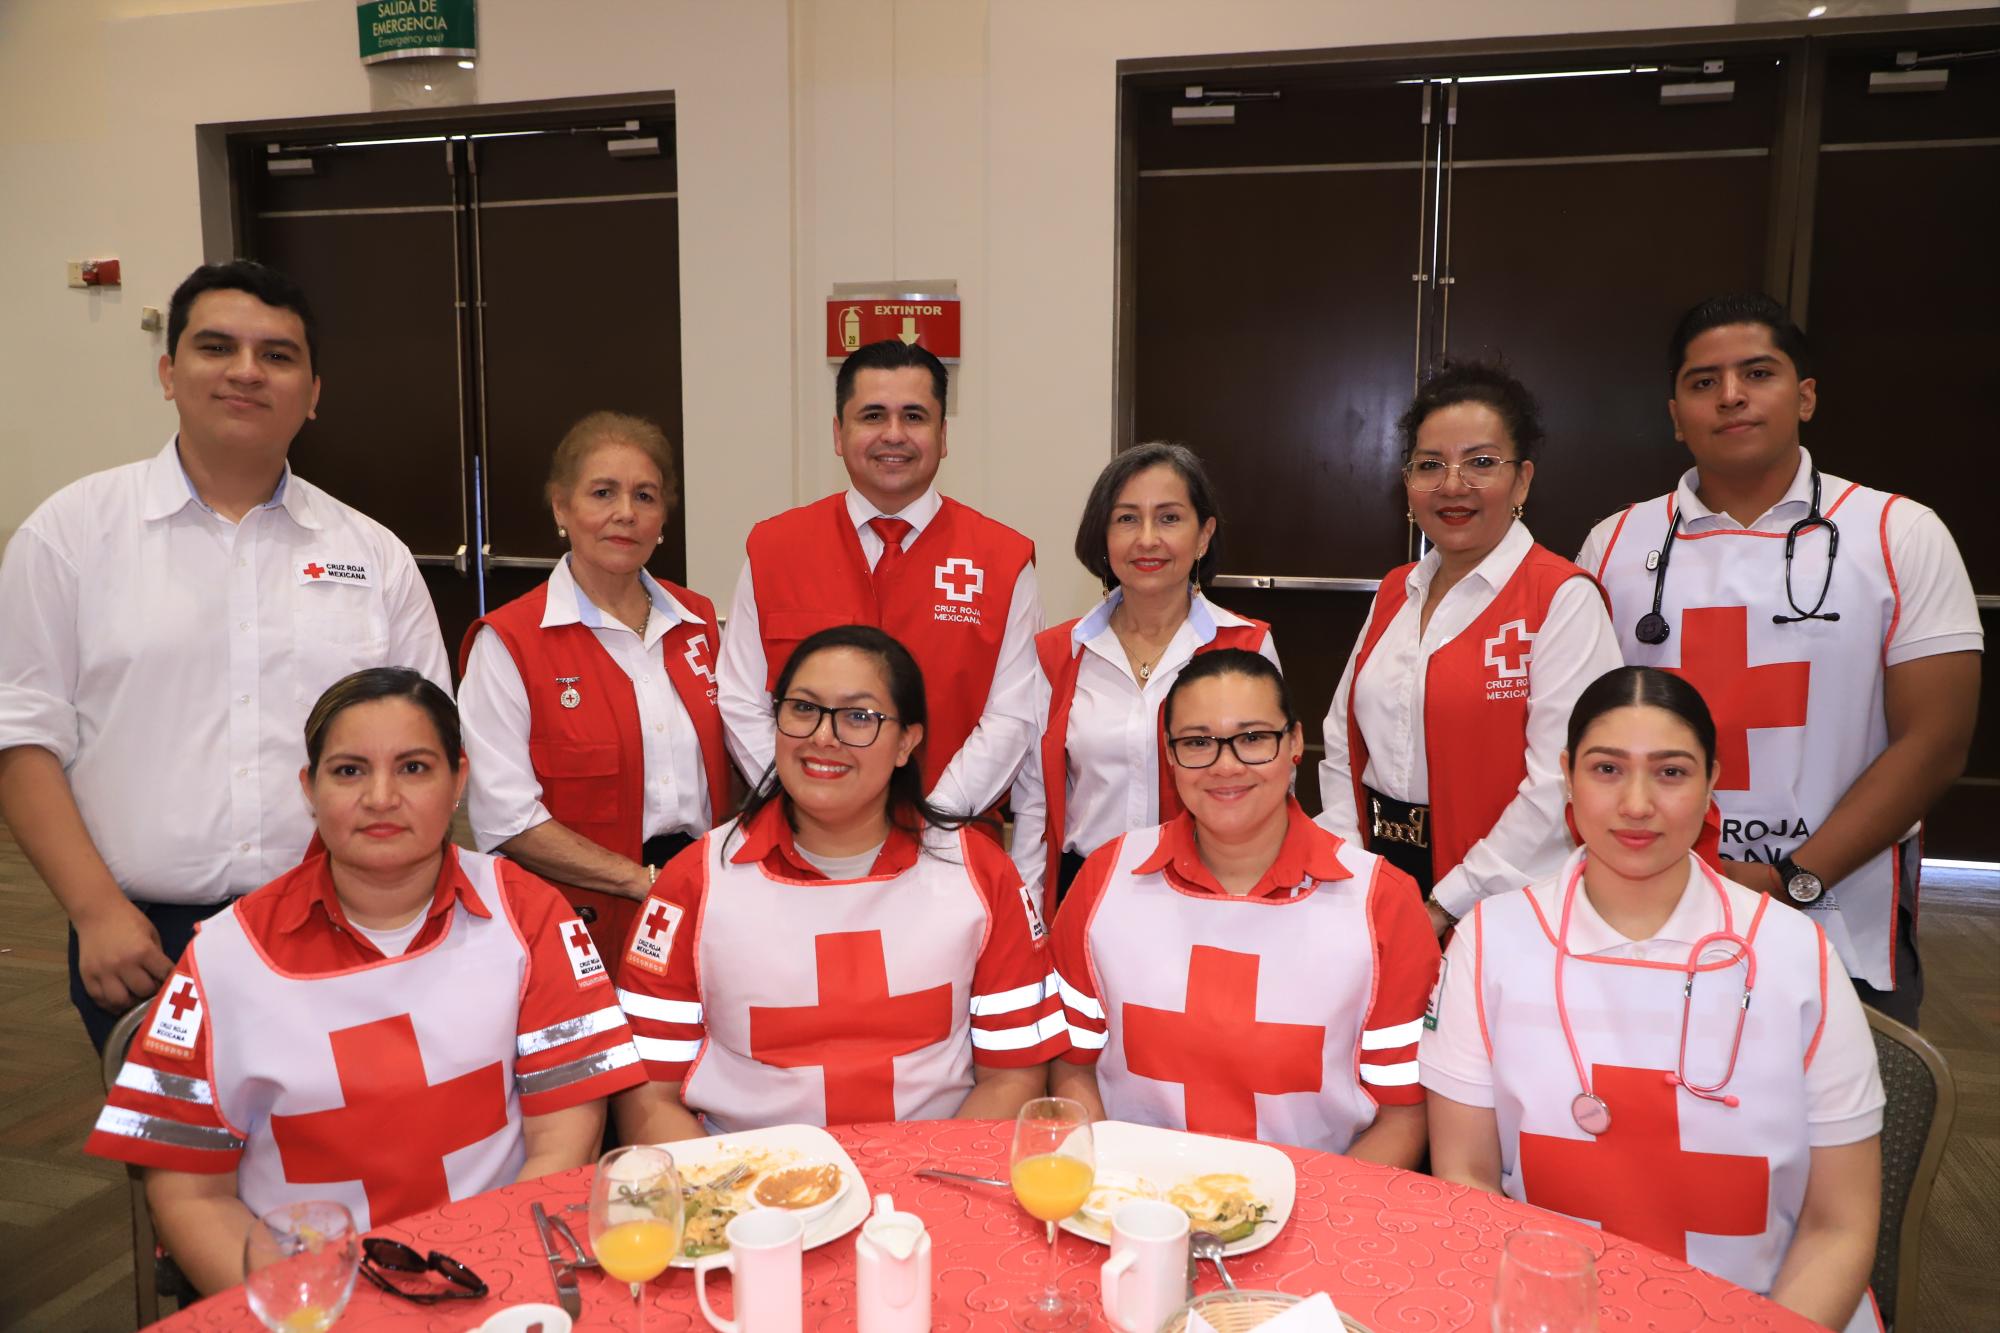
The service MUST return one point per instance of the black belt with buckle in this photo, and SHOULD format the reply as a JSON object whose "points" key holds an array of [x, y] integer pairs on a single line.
{"points": [[1400, 833]]}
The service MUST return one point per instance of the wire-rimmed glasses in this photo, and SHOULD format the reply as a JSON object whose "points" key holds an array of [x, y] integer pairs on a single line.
{"points": [[1476, 473]]}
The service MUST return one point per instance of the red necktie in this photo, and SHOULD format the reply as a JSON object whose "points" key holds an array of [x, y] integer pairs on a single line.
{"points": [[891, 531]]}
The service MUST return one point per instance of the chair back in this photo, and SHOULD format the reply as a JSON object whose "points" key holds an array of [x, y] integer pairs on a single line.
{"points": [[145, 1279], [1915, 1124]]}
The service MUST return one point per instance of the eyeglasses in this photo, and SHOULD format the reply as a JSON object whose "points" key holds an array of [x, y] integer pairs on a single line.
{"points": [[1477, 472], [799, 719], [1249, 747], [379, 1252]]}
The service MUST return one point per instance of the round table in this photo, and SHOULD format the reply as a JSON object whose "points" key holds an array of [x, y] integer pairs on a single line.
{"points": [[1395, 1249]]}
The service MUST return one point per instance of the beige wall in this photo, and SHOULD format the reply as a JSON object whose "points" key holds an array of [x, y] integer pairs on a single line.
{"points": [[821, 141]]}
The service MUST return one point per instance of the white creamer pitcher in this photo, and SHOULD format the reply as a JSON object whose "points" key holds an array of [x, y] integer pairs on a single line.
{"points": [[893, 1271]]}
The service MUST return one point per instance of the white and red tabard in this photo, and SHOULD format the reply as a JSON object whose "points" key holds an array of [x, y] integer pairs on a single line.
{"points": [[1718, 1185], [774, 995], [1289, 1014], [1798, 707], [390, 1085]]}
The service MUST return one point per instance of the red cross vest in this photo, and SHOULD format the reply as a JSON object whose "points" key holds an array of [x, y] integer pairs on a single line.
{"points": [[831, 1002], [1718, 1186], [1798, 708], [1475, 705], [1061, 661], [387, 1087], [1229, 1015], [946, 600], [590, 760]]}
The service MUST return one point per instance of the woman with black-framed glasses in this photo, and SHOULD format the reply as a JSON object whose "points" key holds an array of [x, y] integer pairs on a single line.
{"points": [[1442, 739], [1240, 970], [843, 950]]}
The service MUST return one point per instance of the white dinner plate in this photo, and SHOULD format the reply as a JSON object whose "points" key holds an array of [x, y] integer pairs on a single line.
{"points": [[1163, 1158], [803, 1143]]}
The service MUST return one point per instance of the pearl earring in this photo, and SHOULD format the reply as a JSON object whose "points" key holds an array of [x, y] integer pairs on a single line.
{"points": [[1409, 516], [562, 532]]}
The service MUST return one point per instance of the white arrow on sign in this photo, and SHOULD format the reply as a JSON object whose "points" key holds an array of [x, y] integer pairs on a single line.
{"points": [[909, 333]]}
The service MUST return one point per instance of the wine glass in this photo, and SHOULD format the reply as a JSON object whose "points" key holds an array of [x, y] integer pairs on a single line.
{"points": [[635, 1216], [1052, 1170], [1547, 1284], [298, 1266]]}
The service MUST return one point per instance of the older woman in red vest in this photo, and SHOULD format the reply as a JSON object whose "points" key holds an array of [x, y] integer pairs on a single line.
{"points": [[1442, 741], [1149, 532], [589, 704]]}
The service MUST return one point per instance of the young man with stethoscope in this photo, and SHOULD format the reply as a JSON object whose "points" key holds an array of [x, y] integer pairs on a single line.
{"points": [[1831, 628]]}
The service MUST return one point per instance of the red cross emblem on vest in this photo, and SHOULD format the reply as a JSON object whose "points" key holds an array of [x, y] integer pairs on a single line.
{"points": [[654, 939], [396, 1127], [313, 570], [1715, 659], [1217, 1049], [1507, 651], [699, 659], [1636, 1180], [960, 580], [584, 962], [857, 1029], [182, 999]]}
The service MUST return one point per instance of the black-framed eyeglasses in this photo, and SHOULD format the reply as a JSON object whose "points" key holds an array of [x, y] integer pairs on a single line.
{"points": [[799, 719], [379, 1252], [1249, 747], [1477, 472]]}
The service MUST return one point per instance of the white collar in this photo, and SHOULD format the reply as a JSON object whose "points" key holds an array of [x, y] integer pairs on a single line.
{"points": [[568, 604], [169, 489], [1698, 913], [1494, 571], [1692, 511], [1204, 618], [918, 513]]}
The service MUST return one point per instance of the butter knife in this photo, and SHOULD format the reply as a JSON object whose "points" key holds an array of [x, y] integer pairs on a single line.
{"points": [[583, 1259], [959, 1177], [565, 1278]]}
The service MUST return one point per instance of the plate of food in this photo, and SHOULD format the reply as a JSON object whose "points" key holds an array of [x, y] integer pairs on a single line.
{"points": [[1241, 1191], [799, 1167]]}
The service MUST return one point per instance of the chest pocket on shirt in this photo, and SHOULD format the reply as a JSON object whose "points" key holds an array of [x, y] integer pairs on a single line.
{"points": [[341, 629], [784, 631], [580, 785]]}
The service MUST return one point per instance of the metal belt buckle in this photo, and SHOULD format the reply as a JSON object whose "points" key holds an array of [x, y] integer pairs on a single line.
{"points": [[1413, 833]]}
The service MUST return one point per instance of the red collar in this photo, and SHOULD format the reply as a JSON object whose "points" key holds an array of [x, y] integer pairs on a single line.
{"points": [[768, 840], [1308, 854], [310, 886]]}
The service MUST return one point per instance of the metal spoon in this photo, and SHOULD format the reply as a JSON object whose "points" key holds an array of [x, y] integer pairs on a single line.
{"points": [[1207, 1245]]}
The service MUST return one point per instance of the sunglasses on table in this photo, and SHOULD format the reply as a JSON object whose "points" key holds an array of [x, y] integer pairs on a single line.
{"points": [[379, 1254]]}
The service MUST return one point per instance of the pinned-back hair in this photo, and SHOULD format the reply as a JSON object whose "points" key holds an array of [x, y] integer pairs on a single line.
{"points": [[1486, 383], [601, 428], [383, 683], [1228, 662], [1648, 687]]}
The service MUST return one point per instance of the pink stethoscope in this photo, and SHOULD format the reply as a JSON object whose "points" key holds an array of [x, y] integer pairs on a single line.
{"points": [[1592, 1116]]}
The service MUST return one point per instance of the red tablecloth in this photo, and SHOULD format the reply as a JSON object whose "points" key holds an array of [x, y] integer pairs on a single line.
{"points": [[1396, 1250]]}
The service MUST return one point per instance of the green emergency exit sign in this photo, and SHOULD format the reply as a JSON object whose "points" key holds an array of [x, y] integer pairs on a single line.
{"points": [[401, 29]]}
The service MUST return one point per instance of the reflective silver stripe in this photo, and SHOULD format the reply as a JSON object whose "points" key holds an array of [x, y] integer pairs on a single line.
{"points": [[664, 1011], [1086, 1040], [158, 1129], [574, 1029], [1007, 1001], [1388, 1039], [1078, 1001], [661, 1051], [1389, 1076], [576, 1071], [1018, 1039], [140, 1078]]}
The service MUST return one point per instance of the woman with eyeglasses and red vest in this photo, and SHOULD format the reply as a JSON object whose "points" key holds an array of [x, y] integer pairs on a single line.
{"points": [[1442, 740], [589, 704], [1149, 532]]}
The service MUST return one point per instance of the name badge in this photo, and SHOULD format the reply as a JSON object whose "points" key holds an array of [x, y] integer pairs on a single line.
{"points": [[336, 571]]}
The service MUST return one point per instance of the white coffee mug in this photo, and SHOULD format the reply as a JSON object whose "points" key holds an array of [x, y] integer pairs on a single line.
{"points": [[765, 1252], [1146, 1278]]}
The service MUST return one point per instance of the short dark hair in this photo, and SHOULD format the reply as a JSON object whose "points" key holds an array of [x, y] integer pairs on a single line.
{"points": [[908, 808], [889, 354], [1092, 547], [1741, 308], [1453, 382], [243, 275], [1228, 662], [1648, 687], [383, 683]]}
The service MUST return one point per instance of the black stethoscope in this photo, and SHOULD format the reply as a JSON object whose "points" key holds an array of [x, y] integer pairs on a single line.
{"points": [[1653, 627]]}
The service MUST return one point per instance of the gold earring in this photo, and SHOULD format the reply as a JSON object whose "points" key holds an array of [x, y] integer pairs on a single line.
{"points": [[1409, 516], [1520, 510]]}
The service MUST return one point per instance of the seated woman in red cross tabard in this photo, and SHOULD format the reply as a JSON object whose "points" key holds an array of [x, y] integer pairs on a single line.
{"points": [[1569, 1064], [842, 951], [393, 1025], [1240, 970]]}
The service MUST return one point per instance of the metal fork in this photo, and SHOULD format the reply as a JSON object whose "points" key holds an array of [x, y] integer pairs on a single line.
{"points": [[725, 1180]]}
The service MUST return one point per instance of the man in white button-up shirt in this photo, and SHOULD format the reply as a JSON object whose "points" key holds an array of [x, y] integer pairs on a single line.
{"points": [[164, 628]]}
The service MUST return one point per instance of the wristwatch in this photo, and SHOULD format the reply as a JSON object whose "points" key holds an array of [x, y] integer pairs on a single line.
{"points": [[1801, 885], [1442, 910]]}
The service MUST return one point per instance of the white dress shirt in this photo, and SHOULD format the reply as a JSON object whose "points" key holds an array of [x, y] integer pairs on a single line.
{"points": [[991, 755], [168, 658], [1574, 646], [1938, 612], [504, 797], [1113, 739]]}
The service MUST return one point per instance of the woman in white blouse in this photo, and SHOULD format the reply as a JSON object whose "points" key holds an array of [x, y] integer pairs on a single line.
{"points": [[589, 704], [1442, 741], [1149, 532]]}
